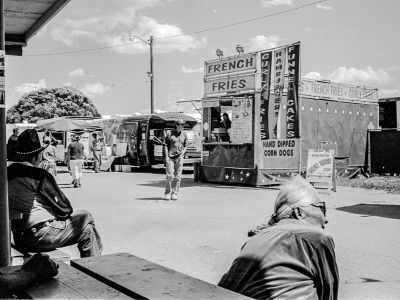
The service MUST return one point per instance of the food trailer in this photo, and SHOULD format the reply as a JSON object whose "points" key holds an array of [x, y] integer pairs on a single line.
{"points": [[276, 118], [62, 128], [136, 140]]}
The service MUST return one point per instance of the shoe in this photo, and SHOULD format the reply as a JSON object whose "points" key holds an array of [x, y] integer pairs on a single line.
{"points": [[167, 197], [73, 181], [174, 197]]}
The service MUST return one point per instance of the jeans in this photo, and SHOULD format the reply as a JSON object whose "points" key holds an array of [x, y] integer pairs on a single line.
{"points": [[174, 167], [97, 160], [76, 168], [79, 229]]}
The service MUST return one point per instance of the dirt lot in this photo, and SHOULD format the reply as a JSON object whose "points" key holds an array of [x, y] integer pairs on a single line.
{"points": [[202, 232]]}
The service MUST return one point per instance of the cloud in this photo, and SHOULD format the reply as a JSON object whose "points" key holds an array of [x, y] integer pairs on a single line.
{"points": [[357, 76], [386, 93], [268, 3], [261, 42], [77, 73], [113, 29], [30, 86], [95, 89], [191, 71], [324, 7], [314, 75]]}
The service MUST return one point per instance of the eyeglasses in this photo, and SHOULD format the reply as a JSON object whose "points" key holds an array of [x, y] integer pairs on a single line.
{"points": [[321, 205]]}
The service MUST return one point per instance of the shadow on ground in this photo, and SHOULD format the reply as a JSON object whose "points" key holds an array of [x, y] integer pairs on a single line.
{"points": [[189, 182], [377, 210], [151, 199]]}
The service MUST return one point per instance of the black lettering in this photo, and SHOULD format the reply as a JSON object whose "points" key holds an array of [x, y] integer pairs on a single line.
{"points": [[249, 62], [242, 83], [240, 64]]}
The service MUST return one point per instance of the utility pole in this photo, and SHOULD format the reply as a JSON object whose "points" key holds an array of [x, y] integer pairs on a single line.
{"points": [[150, 73], [4, 218], [151, 76]]}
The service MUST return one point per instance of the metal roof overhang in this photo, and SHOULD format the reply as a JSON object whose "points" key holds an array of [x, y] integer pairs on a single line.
{"points": [[24, 18]]}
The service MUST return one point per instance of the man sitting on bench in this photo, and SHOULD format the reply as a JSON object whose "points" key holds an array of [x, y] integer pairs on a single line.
{"points": [[47, 220]]}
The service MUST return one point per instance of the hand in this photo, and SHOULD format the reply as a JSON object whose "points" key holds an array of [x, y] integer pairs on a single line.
{"points": [[40, 267]]}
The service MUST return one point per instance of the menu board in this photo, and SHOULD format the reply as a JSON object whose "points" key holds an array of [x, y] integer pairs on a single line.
{"points": [[242, 116]]}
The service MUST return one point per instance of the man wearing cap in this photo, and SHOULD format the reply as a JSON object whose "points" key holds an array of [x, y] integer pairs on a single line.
{"points": [[11, 144], [291, 256], [97, 148], [176, 143], [42, 216]]}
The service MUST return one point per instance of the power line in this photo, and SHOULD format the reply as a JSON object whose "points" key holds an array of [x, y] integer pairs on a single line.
{"points": [[183, 34], [243, 22]]}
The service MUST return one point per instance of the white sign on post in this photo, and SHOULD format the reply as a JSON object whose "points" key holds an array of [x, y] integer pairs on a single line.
{"points": [[321, 169]]}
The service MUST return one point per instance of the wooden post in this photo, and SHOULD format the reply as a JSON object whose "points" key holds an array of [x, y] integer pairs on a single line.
{"points": [[4, 219]]}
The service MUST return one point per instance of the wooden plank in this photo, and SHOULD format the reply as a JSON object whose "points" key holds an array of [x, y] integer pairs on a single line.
{"points": [[138, 277], [17, 258], [70, 283]]}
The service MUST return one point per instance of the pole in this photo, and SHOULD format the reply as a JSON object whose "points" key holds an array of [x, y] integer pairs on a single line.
{"points": [[151, 76], [4, 219]]}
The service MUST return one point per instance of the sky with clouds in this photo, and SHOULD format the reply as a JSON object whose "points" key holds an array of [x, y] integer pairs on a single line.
{"points": [[95, 46]]}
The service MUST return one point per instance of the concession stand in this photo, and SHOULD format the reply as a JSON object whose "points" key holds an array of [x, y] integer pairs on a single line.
{"points": [[276, 118]]}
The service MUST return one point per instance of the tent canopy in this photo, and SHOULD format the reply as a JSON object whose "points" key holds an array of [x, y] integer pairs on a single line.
{"points": [[65, 124]]}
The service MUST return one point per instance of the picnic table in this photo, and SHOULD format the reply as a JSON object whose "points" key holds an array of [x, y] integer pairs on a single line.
{"points": [[124, 276]]}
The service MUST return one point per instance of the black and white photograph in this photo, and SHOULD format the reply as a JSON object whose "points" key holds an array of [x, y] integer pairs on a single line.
{"points": [[197, 149]]}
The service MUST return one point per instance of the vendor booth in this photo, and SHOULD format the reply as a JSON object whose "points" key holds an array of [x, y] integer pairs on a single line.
{"points": [[274, 118]]}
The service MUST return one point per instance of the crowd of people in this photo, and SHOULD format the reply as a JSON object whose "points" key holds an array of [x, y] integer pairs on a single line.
{"points": [[288, 257]]}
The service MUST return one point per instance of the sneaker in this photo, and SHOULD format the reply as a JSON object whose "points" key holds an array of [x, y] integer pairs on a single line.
{"points": [[167, 197], [174, 197]]}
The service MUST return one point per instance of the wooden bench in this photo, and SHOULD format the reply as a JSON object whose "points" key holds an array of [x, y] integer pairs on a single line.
{"points": [[142, 279], [70, 283]]}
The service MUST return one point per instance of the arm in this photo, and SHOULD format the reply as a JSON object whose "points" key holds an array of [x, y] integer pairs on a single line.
{"points": [[326, 270], [38, 268], [185, 144]]}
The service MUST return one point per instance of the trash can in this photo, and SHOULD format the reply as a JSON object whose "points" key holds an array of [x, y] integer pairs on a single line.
{"points": [[196, 171]]}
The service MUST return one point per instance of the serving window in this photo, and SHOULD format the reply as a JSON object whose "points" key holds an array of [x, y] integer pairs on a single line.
{"points": [[228, 120]]}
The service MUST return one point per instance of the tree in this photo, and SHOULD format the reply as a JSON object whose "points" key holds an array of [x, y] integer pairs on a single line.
{"points": [[50, 103]]}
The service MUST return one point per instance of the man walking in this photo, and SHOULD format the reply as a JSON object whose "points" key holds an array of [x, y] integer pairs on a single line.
{"points": [[42, 216], [11, 144], [291, 257], [97, 148], [176, 143]]}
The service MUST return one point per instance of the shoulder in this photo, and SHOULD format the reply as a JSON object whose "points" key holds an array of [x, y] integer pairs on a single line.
{"points": [[20, 170], [306, 232]]}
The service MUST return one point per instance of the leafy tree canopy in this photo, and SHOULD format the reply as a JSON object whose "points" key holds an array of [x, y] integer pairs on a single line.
{"points": [[50, 103]]}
